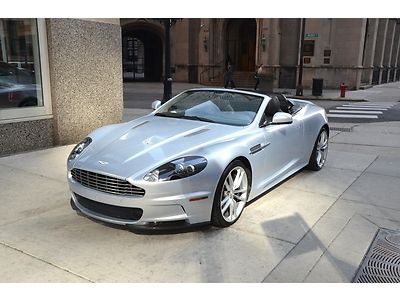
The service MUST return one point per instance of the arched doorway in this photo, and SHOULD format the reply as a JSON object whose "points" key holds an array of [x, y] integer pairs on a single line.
{"points": [[241, 43], [142, 51]]}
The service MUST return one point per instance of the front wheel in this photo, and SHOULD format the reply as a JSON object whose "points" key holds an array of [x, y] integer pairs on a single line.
{"points": [[320, 151], [231, 195]]}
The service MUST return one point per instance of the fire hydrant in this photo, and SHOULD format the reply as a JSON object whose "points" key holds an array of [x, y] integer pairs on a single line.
{"points": [[343, 90]]}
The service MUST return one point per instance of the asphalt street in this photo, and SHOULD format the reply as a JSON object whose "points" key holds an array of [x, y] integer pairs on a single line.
{"points": [[377, 104]]}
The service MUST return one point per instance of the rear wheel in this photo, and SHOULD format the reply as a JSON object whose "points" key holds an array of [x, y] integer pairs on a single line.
{"points": [[231, 195], [320, 151]]}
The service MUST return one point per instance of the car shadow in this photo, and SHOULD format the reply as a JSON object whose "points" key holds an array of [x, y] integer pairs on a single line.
{"points": [[308, 243]]}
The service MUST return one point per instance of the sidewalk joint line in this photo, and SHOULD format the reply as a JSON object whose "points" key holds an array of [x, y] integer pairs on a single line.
{"points": [[370, 204], [319, 219], [265, 235], [44, 261], [29, 172], [327, 247]]}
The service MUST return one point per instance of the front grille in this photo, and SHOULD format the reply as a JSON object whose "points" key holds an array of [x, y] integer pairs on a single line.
{"points": [[117, 212], [106, 183]]}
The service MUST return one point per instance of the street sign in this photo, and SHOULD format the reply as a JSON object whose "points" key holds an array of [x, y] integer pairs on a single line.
{"points": [[311, 35]]}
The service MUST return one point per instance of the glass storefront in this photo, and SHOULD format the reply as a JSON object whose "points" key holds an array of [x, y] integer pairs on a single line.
{"points": [[20, 71]]}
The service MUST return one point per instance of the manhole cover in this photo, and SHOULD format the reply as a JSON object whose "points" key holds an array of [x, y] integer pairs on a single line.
{"points": [[382, 262]]}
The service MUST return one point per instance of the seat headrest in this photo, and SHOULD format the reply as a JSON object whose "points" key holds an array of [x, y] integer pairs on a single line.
{"points": [[273, 106]]}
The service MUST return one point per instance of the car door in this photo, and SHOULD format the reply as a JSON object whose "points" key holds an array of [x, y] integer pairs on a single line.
{"points": [[283, 150]]}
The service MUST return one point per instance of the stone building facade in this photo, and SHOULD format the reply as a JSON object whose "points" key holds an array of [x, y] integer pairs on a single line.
{"points": [[357, 52], [59, 80]]}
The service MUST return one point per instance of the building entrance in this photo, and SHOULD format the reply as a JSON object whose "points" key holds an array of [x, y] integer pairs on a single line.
{"points": [[141, 55], [241, 43]]}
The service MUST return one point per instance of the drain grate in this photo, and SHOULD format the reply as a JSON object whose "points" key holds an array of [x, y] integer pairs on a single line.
{"points": [[341, 129], [381, 264]]}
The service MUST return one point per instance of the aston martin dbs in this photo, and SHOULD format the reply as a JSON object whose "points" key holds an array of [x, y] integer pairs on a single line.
{"points": [[198, 158]]}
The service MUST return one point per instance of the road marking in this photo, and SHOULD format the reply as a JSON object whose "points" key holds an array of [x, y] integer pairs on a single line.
{"points": [[367, 106], [355, 111], [361, 108], [352, 116]]}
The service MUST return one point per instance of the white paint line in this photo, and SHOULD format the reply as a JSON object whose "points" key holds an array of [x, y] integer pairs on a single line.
{"points": [[355, 111], [361, 108], [373, 103], [352, 116], [367, 106]]}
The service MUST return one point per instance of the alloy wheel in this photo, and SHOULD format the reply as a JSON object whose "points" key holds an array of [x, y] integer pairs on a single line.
{"points": [[322, 148], [234, 194]]}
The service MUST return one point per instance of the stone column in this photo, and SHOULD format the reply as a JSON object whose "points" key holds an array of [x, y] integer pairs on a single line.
{"points": [[395, 53], [379, 50], [369, 50], [85, 75], [388, 50], [397, 61]]}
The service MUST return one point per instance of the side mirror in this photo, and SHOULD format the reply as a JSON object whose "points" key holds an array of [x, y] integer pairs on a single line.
{"points": [[156, 104], [281, 118]]}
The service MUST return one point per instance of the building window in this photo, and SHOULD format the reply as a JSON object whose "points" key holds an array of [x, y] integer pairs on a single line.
{"points": [[327, 52], [309, 47], [22, 65]]}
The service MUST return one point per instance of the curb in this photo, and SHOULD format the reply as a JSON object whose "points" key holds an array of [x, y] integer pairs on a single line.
{"points": [[318, 98]]}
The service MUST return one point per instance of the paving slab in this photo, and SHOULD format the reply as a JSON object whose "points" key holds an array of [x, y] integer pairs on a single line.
{"points": [[328, 181], [350, 161], [105, 254], [364, 149], [376, 189], [342, 259], [25, 194], [306, 254], [364, 138], [386, 165], [284, 213], [50, 163], [19, 267]]}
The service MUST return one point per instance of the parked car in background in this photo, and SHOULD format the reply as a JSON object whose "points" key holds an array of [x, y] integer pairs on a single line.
{"points": [[17, 87]]}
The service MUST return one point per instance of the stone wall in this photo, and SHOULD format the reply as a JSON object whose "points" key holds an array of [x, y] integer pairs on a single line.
{"points": [[25, 136], [85, 76]]}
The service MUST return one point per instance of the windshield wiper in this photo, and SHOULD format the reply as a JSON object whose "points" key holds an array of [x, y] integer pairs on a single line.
{"points": [[197, 118], [169, 115], [181, 116]]}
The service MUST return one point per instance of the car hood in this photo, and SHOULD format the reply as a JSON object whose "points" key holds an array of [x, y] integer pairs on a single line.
{"points": [[150, 142]]}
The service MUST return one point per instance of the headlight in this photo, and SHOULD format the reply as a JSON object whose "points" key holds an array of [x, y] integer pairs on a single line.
{"points": [[79, 148], [177, 169]]}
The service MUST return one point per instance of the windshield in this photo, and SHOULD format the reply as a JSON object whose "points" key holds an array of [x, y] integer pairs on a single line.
{"points": [[213, 106]]}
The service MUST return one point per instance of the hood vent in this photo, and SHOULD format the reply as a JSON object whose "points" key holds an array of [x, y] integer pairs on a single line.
{"points": [[141, 124], [197, 132]]}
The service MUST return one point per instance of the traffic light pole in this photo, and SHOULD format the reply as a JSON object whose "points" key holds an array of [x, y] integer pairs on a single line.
{"points": [[299, 88], [167, 60]]}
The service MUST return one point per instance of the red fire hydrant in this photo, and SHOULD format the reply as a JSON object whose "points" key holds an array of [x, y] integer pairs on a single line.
{"points": [[343, 90]]}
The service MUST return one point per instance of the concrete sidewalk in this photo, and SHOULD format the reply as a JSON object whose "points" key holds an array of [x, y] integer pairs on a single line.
{"points": [[315, 227]]}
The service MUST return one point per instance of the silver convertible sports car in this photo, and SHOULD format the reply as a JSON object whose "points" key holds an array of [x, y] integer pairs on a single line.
{"points": [[198, 158]]}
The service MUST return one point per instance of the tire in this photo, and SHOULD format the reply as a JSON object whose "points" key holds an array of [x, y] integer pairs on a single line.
{"points": [[320, 151], [230, 198]]}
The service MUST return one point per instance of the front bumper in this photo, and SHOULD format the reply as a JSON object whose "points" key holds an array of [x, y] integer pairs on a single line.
{"points": [[177, 203]]}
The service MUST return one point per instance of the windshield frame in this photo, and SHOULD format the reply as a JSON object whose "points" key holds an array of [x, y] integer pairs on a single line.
{"points": [[233, 116]]}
